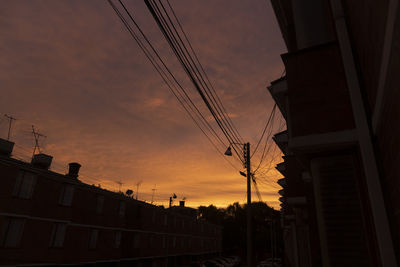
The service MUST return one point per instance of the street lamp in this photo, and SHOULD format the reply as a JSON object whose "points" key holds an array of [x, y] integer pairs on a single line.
{"points": [[170, 199], [246, 161]]}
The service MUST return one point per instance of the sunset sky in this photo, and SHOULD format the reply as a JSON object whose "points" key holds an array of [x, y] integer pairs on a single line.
{"points": [[70, 68]]}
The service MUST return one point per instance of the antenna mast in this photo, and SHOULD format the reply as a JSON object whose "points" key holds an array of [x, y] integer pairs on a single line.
{"points": [[36, 135], [120, 183], [10, 120], [152, 196], [137, 189]]}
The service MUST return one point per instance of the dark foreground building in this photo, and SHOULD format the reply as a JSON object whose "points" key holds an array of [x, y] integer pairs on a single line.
{"points": [[340, 98], [47, 218]]}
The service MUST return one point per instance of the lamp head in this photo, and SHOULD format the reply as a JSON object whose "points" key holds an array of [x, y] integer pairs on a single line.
{"points": [[228, 151]]}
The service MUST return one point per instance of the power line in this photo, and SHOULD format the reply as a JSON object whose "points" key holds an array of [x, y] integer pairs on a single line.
{"points": [[167, 76], [265, 128], [189, 67], [205, 74], [196, 69]]}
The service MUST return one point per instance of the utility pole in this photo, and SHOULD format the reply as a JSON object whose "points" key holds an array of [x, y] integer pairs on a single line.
{"points": [[10, 120], [247, 166], [246, 152]]}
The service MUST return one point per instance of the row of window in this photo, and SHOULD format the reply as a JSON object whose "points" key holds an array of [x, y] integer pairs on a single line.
{"points": [[25, 185], [12, 231], [26, 181]]}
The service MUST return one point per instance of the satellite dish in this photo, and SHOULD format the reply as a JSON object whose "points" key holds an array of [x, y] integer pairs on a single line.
{"points": [[129, 192], [184, 198], [174, 196]]}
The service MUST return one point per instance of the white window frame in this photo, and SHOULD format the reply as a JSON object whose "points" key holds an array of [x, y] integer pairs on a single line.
{"points": [[24, 185], [11, 232], [136, 240], [165, 219], [67, 195], [99, 204], [118, 238], [122, 209], [93, 238], [58, 235]]}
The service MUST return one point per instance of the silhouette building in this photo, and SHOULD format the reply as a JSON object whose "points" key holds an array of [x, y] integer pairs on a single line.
{"points": [[340, 194], [47, 218]]}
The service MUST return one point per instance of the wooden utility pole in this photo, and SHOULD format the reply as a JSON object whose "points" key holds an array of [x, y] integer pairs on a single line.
{"points": [[246, 152]]}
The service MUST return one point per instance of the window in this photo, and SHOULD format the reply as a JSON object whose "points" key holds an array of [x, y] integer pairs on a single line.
{"points": [[164, 242], [117, 241], [58, 235], [174, 242], [24, 185], [94, 233], [122, 207], [136, 240], [11, 232], [100, 204], [165, 219], [67, 194]]}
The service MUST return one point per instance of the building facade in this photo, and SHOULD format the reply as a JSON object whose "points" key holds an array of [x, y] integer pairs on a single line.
{"points": [[47, 218], [341, 180]]}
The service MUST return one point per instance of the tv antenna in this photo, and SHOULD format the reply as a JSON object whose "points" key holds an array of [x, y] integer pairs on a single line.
{"points": [[36, 135], [10, 121], [152, 196], [120, 183], [137, 188]]}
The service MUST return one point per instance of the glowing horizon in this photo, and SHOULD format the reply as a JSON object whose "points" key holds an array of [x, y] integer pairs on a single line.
{"points": [[72, 70]]}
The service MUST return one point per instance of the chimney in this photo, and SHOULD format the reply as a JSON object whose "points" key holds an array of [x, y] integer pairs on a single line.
{"points": [[182, 203], [74, 170], [42, 161], [6, 147]]}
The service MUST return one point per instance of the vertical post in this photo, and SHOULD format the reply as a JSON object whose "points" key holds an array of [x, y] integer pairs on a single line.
{"points": [[271, 239], [247, 159], [9, 130], [10, 119]]}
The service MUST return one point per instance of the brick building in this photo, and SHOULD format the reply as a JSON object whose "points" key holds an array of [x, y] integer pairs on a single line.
{"points": [[47, 218], [341, 185]]}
